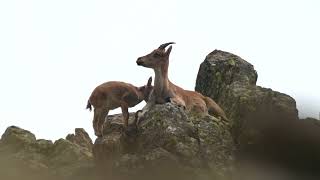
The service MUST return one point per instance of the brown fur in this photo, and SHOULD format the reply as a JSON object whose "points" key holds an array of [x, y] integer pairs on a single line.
{"points": [[114, 94], [158, 60]]}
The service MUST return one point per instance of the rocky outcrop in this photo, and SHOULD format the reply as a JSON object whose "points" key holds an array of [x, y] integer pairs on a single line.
{"points": [[269, 137], [168, 144], [81, 138], [24, 156], [231, 81]]}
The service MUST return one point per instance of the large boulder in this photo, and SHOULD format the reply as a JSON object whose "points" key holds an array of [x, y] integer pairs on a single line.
{"points": [[24, 156], [231, 82], [269, 137], [168, 143]]}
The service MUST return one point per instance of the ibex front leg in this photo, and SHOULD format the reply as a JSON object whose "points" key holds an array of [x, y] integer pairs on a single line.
{"points": [[125, 113], [139, 113]]}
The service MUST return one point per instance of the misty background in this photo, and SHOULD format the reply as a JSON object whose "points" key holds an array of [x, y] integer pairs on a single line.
{"points": [[54, 53]]}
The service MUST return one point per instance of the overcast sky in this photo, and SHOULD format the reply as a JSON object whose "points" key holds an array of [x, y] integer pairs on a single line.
{"points": [[54, 53]]}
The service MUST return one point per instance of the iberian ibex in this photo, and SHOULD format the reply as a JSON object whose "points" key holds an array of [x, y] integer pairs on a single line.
{"points": [[114, 94], [165, 91]]}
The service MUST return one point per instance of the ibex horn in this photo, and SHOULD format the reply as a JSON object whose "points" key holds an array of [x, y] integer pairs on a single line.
{"points": [[163, 46]]}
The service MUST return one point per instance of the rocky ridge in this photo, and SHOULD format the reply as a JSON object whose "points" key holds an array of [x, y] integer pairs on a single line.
{"points": [[22, 155]]}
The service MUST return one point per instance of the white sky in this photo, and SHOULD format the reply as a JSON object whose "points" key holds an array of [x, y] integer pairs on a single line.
{"points": [[54, 53]]}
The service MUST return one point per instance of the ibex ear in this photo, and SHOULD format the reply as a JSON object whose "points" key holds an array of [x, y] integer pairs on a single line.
{"points": [[169, 50], [149, 81]]}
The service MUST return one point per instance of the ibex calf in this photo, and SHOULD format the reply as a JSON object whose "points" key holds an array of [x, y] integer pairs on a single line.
{"points": [[114, 94], [165, 91]]}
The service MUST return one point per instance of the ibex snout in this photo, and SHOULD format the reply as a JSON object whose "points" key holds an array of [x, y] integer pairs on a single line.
{"points": [[139, 61]]}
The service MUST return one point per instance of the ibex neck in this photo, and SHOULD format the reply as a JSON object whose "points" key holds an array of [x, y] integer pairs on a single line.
{"points": [[140, 95], [161, 83]]}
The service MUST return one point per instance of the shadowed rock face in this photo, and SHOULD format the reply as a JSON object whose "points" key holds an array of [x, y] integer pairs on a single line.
{"points": [[231, 81], [168, 143]]}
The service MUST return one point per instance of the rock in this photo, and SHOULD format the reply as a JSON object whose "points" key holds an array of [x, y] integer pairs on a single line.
{"points": [[231, 82], [17, 137], [221, 69], [81, 138], [168, 143], [269, 137], [20, 156], [68, 158], [23, 156], [22, 145]]}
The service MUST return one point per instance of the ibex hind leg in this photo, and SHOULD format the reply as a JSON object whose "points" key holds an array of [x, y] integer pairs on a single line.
{"points": [[99, 120], [101, 123], [95, 121]]}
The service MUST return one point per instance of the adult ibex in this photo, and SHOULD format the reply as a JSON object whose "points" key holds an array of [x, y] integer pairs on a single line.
{"points": [[165, 91], [114, 94]]}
